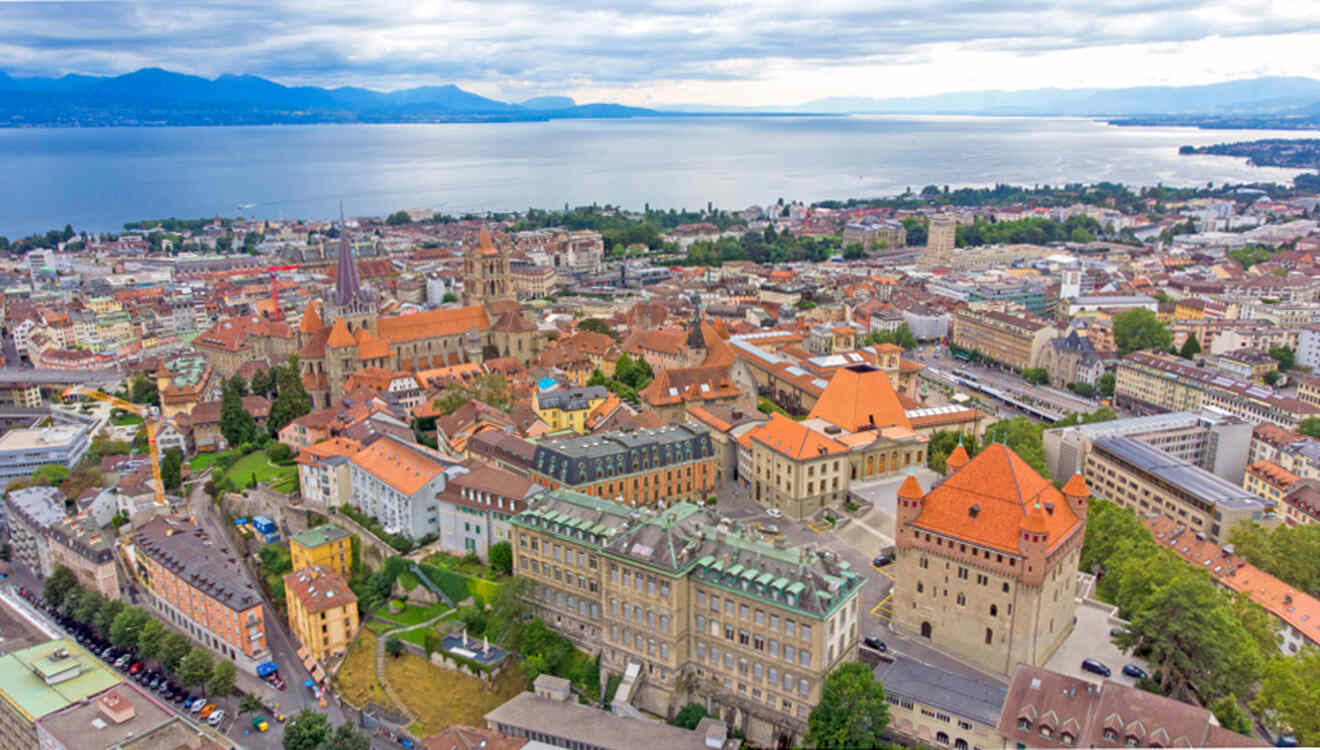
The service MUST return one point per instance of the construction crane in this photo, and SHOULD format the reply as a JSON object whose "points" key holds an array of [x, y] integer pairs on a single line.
{"points": [[272, 270], [149, 414]]}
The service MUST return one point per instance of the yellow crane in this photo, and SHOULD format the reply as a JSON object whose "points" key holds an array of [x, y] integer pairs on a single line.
{"points": [[149, 416]]}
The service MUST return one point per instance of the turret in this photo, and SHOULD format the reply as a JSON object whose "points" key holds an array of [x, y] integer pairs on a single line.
{"points": [[1033, 541], [910, 501], [957, 459], [1078, 495]]}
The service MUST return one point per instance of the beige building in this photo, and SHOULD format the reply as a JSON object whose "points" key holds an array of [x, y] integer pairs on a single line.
{"points": [[1137, 475], [323, 612], [1153, 383], [987, 560], [695, 611], [1011, 340], [941, 239], [78, 544], [935, 708]]}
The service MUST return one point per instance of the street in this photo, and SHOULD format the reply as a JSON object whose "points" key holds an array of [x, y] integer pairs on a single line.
{"points": [[1062, 401]]}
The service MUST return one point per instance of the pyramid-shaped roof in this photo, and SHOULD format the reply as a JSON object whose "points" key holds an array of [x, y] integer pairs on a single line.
{"points": [[958, 458], [1076, 487], [339, 335], [860, 397], [311, 319]]}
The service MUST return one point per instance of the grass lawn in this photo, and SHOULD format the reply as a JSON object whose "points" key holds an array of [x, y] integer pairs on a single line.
{"points": [[380, 628], [126, 419], [357, 676], [415, 636], [257, 463], [411, 614], [441, 698]]}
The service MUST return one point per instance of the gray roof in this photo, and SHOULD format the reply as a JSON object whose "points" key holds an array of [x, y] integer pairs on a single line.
{"points": [[590, 726], [571, 399], [979, 699], [203, 564], [42, 506], [1179, 473]]}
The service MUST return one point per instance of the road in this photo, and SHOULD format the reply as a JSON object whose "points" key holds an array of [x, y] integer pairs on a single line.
{"points": [[1062, 401]]}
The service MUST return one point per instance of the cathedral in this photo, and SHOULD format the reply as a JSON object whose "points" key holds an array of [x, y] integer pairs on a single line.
{"points": [[346, 333]]}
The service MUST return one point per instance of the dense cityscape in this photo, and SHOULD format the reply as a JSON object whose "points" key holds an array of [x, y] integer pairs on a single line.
{"points": [[980, 468]]}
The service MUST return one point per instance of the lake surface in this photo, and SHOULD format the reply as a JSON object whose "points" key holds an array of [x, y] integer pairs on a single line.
{"points": [[98, 178]]}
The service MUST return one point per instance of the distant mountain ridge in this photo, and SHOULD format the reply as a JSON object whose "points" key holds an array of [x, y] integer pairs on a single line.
{"points": [[156, 96]]}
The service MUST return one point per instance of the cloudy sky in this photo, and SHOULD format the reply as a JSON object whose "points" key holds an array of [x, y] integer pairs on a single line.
{"points": [[658, 52]]}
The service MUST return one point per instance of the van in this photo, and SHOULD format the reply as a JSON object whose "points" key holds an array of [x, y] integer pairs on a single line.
{"points": [[1095, 667]]}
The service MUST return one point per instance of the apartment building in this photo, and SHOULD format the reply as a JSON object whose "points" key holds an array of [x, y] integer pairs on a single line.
{"points": [[1308, 390], [936, 708], [30, 512], [41, 680], [647, 467], [1301, 505], [698, 610], [1138, 476], [1216, 442], [1269, 481], [872, 232], [476, 508], [1152, 383], [324, 472], [726, 424], [198, 589], [323, 612], [794, 468], [326, 546], [1010, 340], [23, 451], [397, 482], [986, 560], [568, 408], [78, 544]]}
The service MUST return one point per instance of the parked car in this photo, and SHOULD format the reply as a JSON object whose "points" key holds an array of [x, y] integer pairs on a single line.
{"points": [[1132, 670], [137, 667], [875, 643], [1095, 666], [216, 718], [1115, 632], [882, 560], [121, 662], [774, 513], [206, 711], [769, 528], [259, 723]]}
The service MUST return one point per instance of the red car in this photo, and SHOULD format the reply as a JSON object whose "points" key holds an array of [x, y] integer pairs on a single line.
{"points": [[137, 667]]}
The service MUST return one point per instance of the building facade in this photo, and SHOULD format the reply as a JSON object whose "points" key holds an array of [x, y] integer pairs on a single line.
{"points": [[323, 612], [647, 467], [324, 546], [1010, 340]]}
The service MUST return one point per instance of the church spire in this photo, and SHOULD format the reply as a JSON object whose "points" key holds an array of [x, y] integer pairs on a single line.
{"points": [[348, 286]]}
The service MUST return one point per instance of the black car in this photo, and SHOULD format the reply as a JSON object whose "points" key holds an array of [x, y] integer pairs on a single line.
{"points": [[1115, 632], [1132, 670], [1095, 666], [875, 643], [882, 560]]}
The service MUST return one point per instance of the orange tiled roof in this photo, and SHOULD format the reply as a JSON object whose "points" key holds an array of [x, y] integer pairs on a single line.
{"points": [[1007, 491], [406, 468], [794, 439], [335, 446], [319, 588], [424, 325], [311, 319], [339, 336], [858, 398], [958, 458], [1076, 487], [1273, 474]]}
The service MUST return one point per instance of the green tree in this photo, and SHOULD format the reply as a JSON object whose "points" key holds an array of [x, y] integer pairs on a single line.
{"points": [[942, 444], [1310, 427], [106, 615], [306, 730], [89, 604], [596, 325], [1036, 376], [194, 668], [235, 422], [1286, 357], [852, 712], [1107, 382], [171, 469], [689, 716], [345, 737], [250, 704], [1231, 716], [62, 580], [143, 390], [173, 647], [263, 383], [1272, 377], [1190, 348], [126, 627], [397, 218], [449, 297], [534, 666], [1024, 437], [221, 681], [238, 384], [150, 638], [1139, 329], [1289, 693], [394, 647], [293, 400], [71, 599], [501, 558], [1286, 552]]}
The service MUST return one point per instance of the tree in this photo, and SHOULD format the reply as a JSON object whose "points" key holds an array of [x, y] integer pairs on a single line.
{"points": [[173, 647], [150, 638], [1272, 377], [222, 677], [345, 737], [194, 668], [501, 558], [250, 704], [394, 647], [942, 444], [238, 384], [689, 716], [106, 615], [852, 711], [293, 400], [1036, 376], [1310, 427], [1024, 437], [1190, 348], [171, 469], [1231, 716], [1107, 382], [62, 580], [1139, 329], [235, 422], [306, 730], [126, 627], [1289, 692], [89, 604], [263, 383], [1286, 357], [1086, 390], [596, 325], [449, 297], [397, 218], [143, 390], [71, 599]]}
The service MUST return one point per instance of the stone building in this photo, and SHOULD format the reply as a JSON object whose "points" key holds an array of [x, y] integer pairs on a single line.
{"points": [[987, 560], [486, 272]]}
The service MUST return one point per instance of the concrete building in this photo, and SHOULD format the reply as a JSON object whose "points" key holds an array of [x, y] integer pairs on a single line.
{"points": [[691, 610], [874, 232], [324, 472], [986, 560], [78, 544], [1010, 340], [326, 545], [30, 512], [24, 451], [323, 612], [926, 323], [397, 483], [124, 717], [1152, 383], [198, 589], [935, 708], [1308, 347], [1218, 443], [42, 680], [941, 239], [1136, 475]]}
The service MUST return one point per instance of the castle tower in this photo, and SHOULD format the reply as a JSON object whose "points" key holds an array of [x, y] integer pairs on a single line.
{"points": [[1033, 541], [957, 459], [1078, 495], [486, 272], [910, 496], [350, 301]]}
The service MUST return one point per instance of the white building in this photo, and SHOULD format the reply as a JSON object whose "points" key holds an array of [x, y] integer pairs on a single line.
{"points": [[397, 483]]}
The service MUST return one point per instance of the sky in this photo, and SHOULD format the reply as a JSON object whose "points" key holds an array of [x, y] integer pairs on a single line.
{"points": [[671, 52]]}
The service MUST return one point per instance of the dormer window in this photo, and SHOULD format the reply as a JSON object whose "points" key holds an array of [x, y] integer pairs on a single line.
{"points": [[1111, 735], [1066, 738], [1024, 725], [1046, 731], [1131, 740]]}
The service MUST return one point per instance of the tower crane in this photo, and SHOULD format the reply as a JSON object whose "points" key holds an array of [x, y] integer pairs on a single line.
{"points": [[150, 418]]}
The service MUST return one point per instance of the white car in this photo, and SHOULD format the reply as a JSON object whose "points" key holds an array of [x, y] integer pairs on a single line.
{"points": [[774, 513], [216, 718]]}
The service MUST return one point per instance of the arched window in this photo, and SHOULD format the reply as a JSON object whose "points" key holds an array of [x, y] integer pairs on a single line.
{"points": [[1024, 725], [942, 738], [960, 744], [925, 629], [994, 610]]}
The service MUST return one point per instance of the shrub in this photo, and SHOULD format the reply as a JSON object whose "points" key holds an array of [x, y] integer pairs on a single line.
{"points": [[278, 452]]}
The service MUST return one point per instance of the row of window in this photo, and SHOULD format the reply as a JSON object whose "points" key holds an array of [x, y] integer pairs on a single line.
{"points": [[756, 641], [785, 680], [745, 613]]}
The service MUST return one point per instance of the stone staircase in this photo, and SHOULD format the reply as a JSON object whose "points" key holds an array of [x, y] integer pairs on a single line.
{"points": [[622, 703]]}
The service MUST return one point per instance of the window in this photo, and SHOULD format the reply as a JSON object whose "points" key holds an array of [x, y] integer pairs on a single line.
{"points": [[964, 725], [994, 610], [1130, 740], [1024, 725], [806, 632], [1046, 731], [989, 636], [1066, 738], [1005, 587], [942, 738], [1110, 734]]}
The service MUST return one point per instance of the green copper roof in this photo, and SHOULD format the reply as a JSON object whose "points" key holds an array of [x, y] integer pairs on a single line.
{"points": [[796, 587], [320, 535], [765, 578], [24, 676], [736, 569]]}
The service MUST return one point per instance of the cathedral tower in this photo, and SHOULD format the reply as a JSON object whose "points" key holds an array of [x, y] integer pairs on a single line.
{"points": [[486, 272], [349, 301]]}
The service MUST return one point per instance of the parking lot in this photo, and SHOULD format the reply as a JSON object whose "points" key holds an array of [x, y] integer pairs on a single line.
{"points": [[1090, 639]]}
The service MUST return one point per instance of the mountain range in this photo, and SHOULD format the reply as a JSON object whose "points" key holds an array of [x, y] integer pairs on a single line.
{"points": [[152, 96]]}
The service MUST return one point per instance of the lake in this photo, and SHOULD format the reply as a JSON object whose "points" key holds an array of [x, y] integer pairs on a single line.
{"points": [[98, 178]]}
